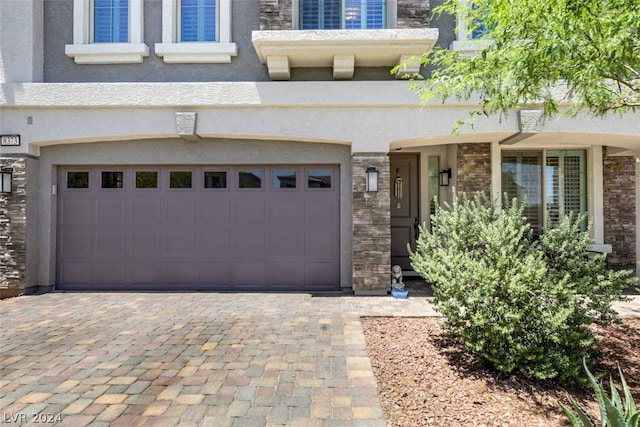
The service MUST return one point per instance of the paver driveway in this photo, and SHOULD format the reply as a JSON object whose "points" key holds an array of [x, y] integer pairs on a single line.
{"points": [[130, 359]]}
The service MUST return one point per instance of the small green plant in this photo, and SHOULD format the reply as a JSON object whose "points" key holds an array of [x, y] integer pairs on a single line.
{"points": [[614, 412], [519, 304]]}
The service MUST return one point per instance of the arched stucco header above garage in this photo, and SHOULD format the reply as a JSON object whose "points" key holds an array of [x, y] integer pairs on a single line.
{"points": [[371, 116]]}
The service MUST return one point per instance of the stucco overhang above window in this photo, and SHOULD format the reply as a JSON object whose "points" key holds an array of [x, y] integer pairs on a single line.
{"points": [[343, 50]]}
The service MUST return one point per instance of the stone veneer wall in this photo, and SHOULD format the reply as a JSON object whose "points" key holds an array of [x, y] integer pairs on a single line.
{"points": [[413, 14], [278, 14], [619, 199], [371, 227], [13, 230], [473, 168]]}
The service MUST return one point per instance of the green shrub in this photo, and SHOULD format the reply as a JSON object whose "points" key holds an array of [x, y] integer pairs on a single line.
{"points": [[520, 305], [614, 412]]}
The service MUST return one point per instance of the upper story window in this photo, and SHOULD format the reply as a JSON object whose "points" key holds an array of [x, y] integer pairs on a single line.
{"points": [[476, 27], [471, 33], [342, 14], [196, 31], [107, 32], [198, 20], [111, 21]]}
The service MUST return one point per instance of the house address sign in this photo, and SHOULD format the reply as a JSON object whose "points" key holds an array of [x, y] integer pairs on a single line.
{"points": [[9, 140]]}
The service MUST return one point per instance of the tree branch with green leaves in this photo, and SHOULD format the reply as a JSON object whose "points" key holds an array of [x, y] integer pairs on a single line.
{"points": [[566, 56]]}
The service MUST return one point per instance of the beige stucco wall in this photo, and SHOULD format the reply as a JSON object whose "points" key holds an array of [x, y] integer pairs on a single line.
{"points": [[368, 115]]}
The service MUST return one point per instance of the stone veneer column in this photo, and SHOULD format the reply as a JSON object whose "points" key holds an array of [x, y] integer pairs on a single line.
{"points": [[473, 168], [619, 200], [13, 230], [371, 227]]}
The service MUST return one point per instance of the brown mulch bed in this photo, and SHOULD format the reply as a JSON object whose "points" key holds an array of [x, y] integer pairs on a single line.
{"points": [[426, 379]]}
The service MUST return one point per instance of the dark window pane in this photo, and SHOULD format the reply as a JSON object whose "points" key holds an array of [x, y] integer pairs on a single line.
{"points": [[284, 179], [146, 179], [112, 179], [319, 178], [215, 180], [77, 179], [180, 179], [250, 179]]}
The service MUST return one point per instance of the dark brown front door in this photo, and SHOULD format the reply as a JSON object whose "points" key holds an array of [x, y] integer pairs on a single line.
{"points": [[404, 207]]}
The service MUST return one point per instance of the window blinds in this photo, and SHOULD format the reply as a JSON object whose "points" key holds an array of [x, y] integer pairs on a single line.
{"points": [[198, 20], [338, 14], [111, 21], [553, 191]]}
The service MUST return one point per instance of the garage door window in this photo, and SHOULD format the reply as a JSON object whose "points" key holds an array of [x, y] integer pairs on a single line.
{"points": [[77, 179], [146, 179], [215, 179], [284, 179], [112, 179], [319, 178], [180, 179], [250, 179]]}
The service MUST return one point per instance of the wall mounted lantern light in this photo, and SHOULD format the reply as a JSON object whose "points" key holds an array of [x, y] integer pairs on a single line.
{"points": [[5, 180], [445, 176], [372, 179]]}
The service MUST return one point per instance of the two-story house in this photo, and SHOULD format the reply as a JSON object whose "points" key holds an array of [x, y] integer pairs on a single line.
{"points": [[261, 145]]}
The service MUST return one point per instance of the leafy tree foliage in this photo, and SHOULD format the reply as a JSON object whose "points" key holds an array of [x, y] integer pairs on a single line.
{"points": [[584, 54], [519, 304]]}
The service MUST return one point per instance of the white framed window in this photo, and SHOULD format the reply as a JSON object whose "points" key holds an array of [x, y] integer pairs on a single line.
{"points": [[470, 36], [553, 181], [196, 31], [341, 14], [107, 32]]}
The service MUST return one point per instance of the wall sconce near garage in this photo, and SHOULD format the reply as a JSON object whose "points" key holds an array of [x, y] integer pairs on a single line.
{"points": [[6, 175], [445, 176], [372, 179]]}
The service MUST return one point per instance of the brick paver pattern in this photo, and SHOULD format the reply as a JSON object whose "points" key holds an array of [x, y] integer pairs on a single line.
{"points": [[192, 359]]}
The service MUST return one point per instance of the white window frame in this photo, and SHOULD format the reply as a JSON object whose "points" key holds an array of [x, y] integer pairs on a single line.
{"points": [[467, 46], [173, 51], [85, 51]]}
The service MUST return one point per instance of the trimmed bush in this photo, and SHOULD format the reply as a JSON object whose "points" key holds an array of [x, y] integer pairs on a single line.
{"points": [[521, 305]]}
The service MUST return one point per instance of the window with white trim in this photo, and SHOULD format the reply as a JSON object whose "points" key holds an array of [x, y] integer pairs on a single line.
{"points": [[470, 34], [553, 181], [107, 32], [342, 14], [196, 31]]}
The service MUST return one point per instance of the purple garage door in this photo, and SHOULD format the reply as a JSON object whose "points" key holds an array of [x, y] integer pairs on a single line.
{"points": [[208, 228]]}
